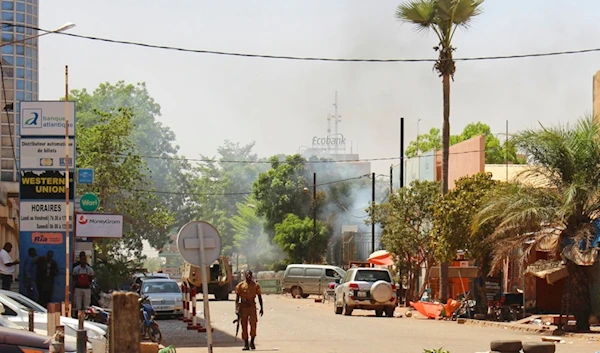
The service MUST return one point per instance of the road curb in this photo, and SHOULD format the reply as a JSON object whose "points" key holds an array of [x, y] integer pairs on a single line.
{"points": [[542, 329]]}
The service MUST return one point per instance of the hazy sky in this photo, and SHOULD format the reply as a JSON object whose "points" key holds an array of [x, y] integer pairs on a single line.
{"points": [[281, 105]]}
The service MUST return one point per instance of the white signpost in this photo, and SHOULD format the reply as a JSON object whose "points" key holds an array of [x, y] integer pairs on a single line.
{"points": [[199, 243], [43, 216], [45, 153]]}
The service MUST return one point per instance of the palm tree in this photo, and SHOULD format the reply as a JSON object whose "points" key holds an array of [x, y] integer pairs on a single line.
{"points": [[561, 212], [443, 17]]}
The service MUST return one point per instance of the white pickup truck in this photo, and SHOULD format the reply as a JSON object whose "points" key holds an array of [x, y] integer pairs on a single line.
{"points": [[366, 288]]}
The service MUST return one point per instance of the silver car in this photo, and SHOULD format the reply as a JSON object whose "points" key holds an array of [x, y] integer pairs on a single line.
{"points": [[164, 296]]}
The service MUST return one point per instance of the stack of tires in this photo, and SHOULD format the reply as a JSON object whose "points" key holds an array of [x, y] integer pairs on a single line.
{"points": [[525, 347]]}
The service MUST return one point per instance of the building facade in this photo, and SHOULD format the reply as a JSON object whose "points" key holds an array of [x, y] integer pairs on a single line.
{"points": [[19, 68]]}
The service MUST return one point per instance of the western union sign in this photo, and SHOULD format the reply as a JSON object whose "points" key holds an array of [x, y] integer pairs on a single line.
{"points": [[45, 185]]}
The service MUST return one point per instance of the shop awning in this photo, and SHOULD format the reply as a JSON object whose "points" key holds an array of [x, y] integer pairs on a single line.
{"points": [[550, 270], [381, 258]]}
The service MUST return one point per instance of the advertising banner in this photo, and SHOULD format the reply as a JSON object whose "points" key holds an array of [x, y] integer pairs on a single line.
{"points": [[43, 242], [44, 185], [46, 118], [98, 225], [44, 216]]}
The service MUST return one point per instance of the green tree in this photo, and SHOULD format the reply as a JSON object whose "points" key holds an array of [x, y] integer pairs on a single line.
{"points": [[120, 174], [220, 183], [453, 221], [151, 139], [562, 210], [298, 240], [424, 143], [443, 17], [407, 222]]}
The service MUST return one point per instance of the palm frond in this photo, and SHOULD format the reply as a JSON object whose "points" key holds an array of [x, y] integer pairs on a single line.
{"points": [[465, 11], [418, 12]]}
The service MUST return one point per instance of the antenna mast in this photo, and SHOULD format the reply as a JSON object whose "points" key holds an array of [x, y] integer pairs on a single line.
{"points": [[337, 119]]}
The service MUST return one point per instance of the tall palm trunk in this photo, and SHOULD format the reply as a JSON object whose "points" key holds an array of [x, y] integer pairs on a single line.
{"points": [[445, 160], [579, 287]]}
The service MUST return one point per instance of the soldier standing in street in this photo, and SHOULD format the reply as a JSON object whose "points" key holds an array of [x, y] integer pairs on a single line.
{"points": [[245, 306]]}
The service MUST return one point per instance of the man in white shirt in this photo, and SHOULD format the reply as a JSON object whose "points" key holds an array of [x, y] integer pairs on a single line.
{"points": [[82, 277], [7, 266]]}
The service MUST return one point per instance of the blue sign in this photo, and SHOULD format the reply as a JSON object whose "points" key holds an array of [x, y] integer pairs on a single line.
{"points": [[85, 176], [43, 242]]}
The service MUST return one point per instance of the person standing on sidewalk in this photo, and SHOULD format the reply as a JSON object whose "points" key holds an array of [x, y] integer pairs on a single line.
{"points": [[245, 306], [7, 266], [82, 277]]}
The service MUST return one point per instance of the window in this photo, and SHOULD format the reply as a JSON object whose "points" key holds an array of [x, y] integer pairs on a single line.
{"points": [[7, 16], [8, 49], [6, 176], [29, 9], [7, 37], [29, 74], [20, 36], [28, 86], [20, 73], [20, 84], [29, 20], [7, 5], [20, 61], [20, 49], [6, 130], [7, 163], [28, 96], [314, 272], [7, 59], [20, 17], [20, 96], [20, 29], [296, 271], [21, 7], [7, 152], [8, 311], [372, 276], [28, 63]]}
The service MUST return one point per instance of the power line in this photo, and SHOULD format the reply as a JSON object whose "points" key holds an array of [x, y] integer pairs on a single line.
{"points": [[205, 160], [302, 58]]}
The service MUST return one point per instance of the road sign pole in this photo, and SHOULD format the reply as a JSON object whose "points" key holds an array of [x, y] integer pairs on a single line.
{"points": [[205, 288]]}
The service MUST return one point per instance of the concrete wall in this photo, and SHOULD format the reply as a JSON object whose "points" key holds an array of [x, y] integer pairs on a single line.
{"points": [[466, 158], [516, 172], [596, 97]]}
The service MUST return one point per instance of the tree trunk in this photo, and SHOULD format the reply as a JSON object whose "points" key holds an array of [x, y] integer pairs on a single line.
{"points": [[445, 160], [426, 278], [581, 299]]}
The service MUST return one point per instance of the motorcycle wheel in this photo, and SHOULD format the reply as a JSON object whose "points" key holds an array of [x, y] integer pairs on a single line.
{"points": [[154, 333]]}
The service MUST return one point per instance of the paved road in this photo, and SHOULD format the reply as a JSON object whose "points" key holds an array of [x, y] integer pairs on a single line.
{"points": [[301, 325]]}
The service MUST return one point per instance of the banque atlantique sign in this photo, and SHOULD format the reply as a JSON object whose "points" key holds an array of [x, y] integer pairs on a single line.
{"points": [[329, 142]]}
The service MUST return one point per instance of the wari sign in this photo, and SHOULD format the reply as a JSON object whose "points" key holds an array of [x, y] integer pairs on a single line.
{"points": [[44, 185], [38, 216], [45, 153], [46, 118], [98, 225]]}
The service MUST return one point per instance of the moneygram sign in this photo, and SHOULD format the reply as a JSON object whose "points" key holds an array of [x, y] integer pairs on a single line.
{"points": [[98, 225], [46, 118]]}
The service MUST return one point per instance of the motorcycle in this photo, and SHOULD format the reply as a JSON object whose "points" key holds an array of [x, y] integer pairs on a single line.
{"points": [[97, 314], [148, 327]]}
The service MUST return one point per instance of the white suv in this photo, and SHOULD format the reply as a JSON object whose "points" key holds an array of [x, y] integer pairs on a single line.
{"points": [[366, 288]]}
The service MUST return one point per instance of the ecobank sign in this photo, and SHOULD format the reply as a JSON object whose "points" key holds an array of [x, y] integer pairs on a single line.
{"points": [[47, 118], [330, 141]]}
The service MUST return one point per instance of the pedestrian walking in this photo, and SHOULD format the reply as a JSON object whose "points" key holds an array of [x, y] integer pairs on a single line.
{"points": [[47, 270], [7, 266], [245, 306], [82, 277], [29, 276]]}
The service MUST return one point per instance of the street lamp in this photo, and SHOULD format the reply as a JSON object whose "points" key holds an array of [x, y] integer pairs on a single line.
{"points": [[67, 26]]}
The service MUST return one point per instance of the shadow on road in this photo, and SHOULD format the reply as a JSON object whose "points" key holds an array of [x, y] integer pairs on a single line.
{"points": [[175, 332]]}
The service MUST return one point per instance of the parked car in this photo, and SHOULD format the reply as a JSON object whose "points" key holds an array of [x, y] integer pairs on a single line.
{"points": [[21, 341], [30, 304], [304, 279], [164, 295], [139, 277], [366, 289], [18, 313]]}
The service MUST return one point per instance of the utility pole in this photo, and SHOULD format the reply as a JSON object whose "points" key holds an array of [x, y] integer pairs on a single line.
{"points": [[391, 179], [314, 204], [402, 152], [336, 120], [372, 214]]}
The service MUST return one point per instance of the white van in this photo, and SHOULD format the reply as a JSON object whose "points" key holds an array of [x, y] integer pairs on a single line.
{"points": [[304, 279]]}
